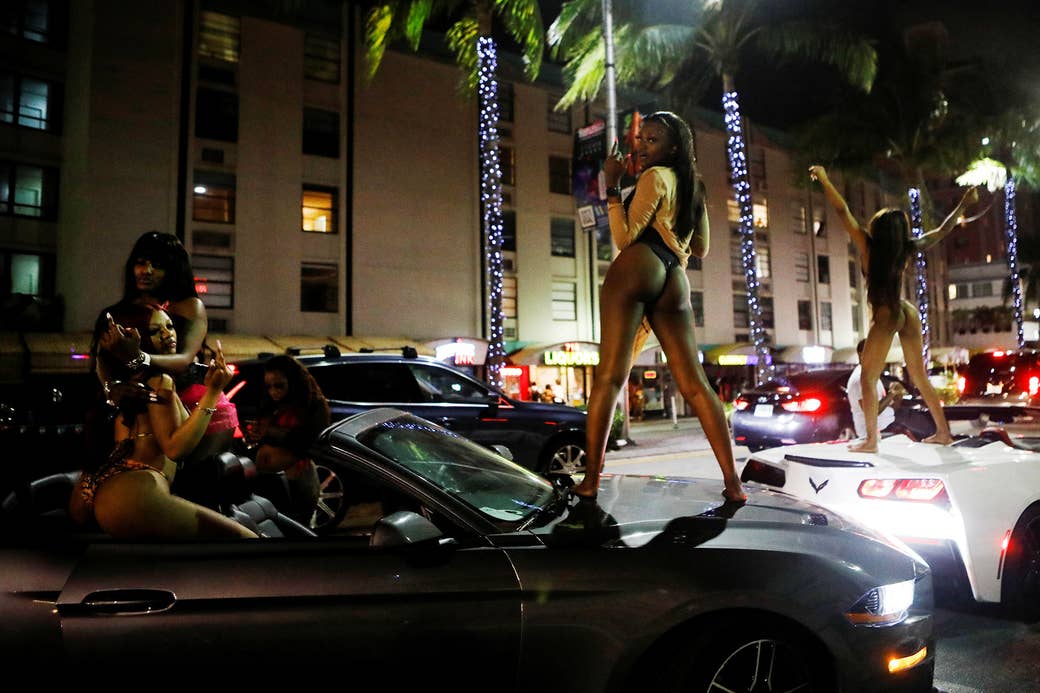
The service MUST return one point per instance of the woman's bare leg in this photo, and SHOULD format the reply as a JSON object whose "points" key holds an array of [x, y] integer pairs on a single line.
{"points": [[635, 276], [138, 505], [912, 339], [672, 322], [872, 362]]}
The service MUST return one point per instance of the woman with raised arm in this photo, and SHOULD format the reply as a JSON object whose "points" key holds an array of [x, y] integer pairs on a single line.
{"points": [[885, 247], [664, 222]]}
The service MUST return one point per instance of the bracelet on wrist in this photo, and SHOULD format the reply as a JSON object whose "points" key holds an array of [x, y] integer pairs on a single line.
{"points": [[142, 360], [613, 191], [209, 410]]}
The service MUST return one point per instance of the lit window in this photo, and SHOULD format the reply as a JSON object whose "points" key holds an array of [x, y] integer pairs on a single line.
{"points": [[218, 36], [801, 267], [215, 280], [29, 102], [29, 19], [213, 197], [28, 191], [319, 209], [564, 301], [760, 215]]}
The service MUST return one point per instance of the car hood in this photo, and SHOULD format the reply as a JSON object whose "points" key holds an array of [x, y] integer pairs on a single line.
{"points": [[557, 411], [899, 454], [645, 511]]}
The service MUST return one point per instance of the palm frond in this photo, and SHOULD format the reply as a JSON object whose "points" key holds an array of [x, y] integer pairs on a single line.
{"points": [[379, 25], [854, 56], [655, 54], [462, 40], [415, 21], [585, 72], [523, 20], [573, 21]]}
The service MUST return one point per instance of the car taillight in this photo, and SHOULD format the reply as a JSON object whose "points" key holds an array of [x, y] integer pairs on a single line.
{"points": [[741, 404], [1034, 385], [962, 383], [923, 490], [233, 368], [805, 404]]}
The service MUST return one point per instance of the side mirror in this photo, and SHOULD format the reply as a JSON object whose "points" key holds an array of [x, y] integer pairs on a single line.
{"points": [[502, 451], [405, 528]]}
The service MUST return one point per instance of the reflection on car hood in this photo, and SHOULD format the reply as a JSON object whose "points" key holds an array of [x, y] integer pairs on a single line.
{"points": [[633, 511], [550, 410]]}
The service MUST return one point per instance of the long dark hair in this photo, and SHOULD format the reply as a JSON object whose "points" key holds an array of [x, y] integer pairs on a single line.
{"points": [[163, 250], [890, 250], [690, 190], [304, 391]]}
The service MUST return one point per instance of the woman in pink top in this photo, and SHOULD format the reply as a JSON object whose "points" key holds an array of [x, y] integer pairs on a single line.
{"points": [[664, 222]]}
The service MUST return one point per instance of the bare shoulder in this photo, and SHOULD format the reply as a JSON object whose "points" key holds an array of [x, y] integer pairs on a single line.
{"points": [[190, 308]]}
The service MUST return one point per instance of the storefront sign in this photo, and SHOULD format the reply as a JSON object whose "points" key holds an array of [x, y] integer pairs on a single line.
{"points": [[458, 353], [737, 360], [571, 358]]}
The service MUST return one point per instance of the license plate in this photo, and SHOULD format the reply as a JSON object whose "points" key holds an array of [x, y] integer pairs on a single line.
{"points": [[994, 388], [763, 410]]}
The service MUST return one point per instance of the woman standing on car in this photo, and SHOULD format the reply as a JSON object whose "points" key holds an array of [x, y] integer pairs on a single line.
{"points": [[885, 248], [663, 223], [291, 418], [132, 451]]}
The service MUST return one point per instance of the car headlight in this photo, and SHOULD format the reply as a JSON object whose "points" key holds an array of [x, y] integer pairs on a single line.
{"points": [[883, 606]]}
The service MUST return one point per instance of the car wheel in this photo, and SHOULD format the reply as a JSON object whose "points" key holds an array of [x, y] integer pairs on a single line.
{"points": [[754, 656], [332, 503], [1021, 588], [564, 457]]}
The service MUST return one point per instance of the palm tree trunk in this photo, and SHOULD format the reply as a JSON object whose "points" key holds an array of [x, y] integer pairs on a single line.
{"points": [[490, 192], [1011, 232], [742, 192], [921, 264]]}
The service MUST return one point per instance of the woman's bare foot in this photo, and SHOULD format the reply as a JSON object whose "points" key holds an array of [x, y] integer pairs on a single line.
{"points": [[939, 439], [865, 446], [734, 492]]}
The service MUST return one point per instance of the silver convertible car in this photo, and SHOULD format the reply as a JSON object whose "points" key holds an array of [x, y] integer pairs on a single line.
{"points": [[455, 567]]}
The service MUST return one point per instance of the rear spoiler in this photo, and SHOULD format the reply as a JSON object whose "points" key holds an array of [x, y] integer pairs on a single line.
{"points": [[1003, 413]]}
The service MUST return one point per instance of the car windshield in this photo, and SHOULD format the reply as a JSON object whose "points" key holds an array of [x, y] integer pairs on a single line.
{"points": [[489, 483], [808, 380]]}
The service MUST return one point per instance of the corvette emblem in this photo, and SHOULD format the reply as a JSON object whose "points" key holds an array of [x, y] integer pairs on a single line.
{"points": [[820, 487]]}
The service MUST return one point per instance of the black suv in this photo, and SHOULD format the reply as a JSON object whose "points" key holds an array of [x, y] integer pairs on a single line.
{"points": [[546, 438]]}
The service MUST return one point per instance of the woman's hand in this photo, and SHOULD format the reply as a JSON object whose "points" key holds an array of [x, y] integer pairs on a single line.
{"points": [[124, 344], [818, 173], [218, 375], [614, 167]]}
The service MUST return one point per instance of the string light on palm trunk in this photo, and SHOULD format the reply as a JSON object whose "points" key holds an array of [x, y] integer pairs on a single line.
{"points": [[737, 153], [491, 203], [1011, 231], [916, 230]]}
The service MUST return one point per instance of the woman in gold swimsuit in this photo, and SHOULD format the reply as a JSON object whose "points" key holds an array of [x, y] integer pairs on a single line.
{"points": [[127, 489]]}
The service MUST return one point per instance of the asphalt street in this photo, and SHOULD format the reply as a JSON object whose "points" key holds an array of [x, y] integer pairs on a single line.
{"points": [[979, 648]]}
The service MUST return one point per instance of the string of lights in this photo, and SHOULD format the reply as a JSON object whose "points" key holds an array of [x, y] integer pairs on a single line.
{"points": [[916, 230], [737, 153], [491, 203], [1011, 230]]}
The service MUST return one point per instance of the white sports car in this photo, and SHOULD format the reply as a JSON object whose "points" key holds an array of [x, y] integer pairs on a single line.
{"points": [[971, 509]]}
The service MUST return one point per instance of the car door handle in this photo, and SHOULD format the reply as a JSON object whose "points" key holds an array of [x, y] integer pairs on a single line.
{"points": [[130, 601]]}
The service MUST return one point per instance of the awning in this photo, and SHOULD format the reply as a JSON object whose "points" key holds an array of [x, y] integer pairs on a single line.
{"points": [[845, 355], [803, 353], [560, 354], [239, 347]]}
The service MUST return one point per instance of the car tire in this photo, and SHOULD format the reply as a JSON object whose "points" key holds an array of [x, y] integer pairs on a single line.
{"points": [[752, 655], [1021, 585], [332, 501], [564, 457]]}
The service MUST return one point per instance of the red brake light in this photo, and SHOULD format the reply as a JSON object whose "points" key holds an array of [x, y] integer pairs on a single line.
{"points": [[806, 404], [233, 368], [924, 490], [1034, 385], [998, 354], [741, 404], [962, 383]]}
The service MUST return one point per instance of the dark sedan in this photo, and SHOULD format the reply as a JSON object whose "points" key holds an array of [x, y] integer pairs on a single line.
{"points": [[547, 438], [812, 407], [458, 568]]}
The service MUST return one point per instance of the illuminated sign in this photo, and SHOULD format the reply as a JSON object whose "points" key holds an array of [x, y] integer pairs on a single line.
{"points": [[512, 371], [459, 353], [736, 360], [650, 375], [571, 358]]}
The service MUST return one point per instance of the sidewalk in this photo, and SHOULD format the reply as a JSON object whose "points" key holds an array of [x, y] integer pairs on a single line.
{"points": [[656, 436]]}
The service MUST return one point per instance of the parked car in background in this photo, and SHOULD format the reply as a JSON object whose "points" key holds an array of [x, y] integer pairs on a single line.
{"points": [[461, 568], [546, 438], [999, 376], [808, 407], [971, 509]]}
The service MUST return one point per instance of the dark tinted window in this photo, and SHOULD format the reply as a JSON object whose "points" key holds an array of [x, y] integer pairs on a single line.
{"points": [[812, 380], [441, 385], [376, 383]]}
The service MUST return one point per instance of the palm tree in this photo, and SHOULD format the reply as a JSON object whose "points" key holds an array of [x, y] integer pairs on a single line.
{"points": [[469, 37], [683, 53], [915, 123]]}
